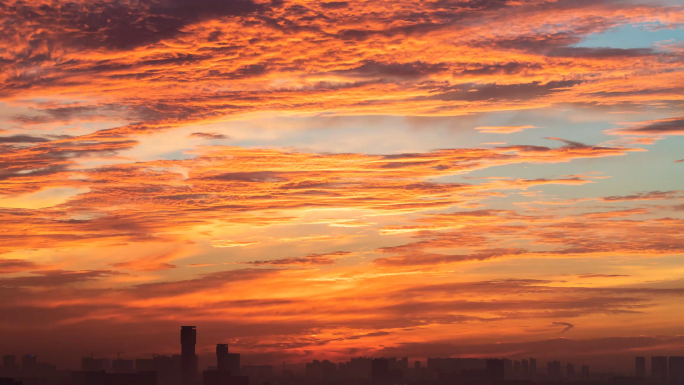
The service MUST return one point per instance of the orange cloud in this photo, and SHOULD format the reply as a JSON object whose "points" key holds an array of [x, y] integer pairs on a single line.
{"points": [[503, 129]]}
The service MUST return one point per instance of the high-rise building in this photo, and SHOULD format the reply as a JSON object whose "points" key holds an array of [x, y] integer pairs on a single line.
{"points": [[640, 367], [659, 368], [525, 366], [9, 361], [145, 365], [403, 363], [553, 369], [29, 364], [329, 370], [570, 370], [495, 369], [516, 367], [314, 369], [188, 366], [585, 372], [222, 357], [675, 367], [28, 360], [120, 365], [9, 366], [533, 366], [380, 370], [508, 368], [90, 364]]}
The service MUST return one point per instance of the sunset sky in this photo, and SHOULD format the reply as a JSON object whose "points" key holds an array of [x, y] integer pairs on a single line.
{"points": [[305, 179]]}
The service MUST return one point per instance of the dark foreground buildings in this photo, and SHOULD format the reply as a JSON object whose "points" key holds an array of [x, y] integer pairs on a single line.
{"points": [[182, 369]]}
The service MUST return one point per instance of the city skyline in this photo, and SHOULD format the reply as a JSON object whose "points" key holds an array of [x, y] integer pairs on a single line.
{"points": [[304, 179], [189, 365]]}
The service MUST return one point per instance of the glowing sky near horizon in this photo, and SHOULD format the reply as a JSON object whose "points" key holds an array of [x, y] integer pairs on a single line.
{"points": [[328, 179]]}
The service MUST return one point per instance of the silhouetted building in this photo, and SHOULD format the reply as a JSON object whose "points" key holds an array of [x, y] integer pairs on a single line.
{"points": [[628, 381], [222, 357], [380, 370], [360, 367], [234, 363], [188, 361], [403, 363], [640, 367], [120, 365], [416, 365], [659, 368], [525, 367], [28, 360], [29, 364], [329, 370], [553, 369], [314, 369], [9, 361], [227, 370], [675, 367], [90, 364], [265, 371], [570, 370], [495, 369], [533, 366], [257, 371], [9, 366], [223, 377], [102, 378], [9, 381], [226, 361], [516, 368], [585, 372], [145, 365]]}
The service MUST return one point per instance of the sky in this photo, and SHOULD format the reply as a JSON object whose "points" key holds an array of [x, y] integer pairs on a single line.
{"points": [[306, 179]]}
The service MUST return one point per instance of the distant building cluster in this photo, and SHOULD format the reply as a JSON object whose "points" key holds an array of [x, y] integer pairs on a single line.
{"points": [[183, 369]]}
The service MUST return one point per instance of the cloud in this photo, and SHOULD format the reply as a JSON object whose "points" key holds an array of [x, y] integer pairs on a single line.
{"points": [[502, 129], [22, 139], [222, 243], [568, 326], [144, 70], [53, 278], [335, 4], [152, 262], [208, 135], [311, 259], [592, 275], [373, 69], [486, 92], [9, 266], [599, 53], [672, 126], [509, 68], [650, 195]]}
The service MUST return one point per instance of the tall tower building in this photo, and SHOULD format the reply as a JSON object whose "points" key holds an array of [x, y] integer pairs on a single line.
{"points": [[675, 367], [222, 357], [495, 369], [533, 367], [640, 367], [380, 370], [659, 368], [188, 341], [525, 367]]}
